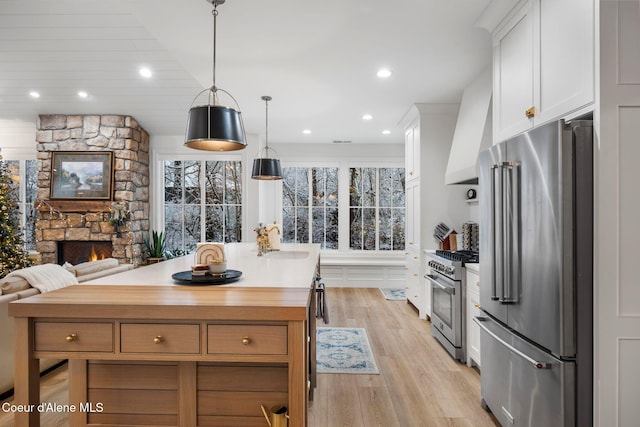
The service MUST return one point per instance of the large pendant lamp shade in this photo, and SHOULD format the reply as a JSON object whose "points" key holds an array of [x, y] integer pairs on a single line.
{"points": [[214, 126], [266, 167]]}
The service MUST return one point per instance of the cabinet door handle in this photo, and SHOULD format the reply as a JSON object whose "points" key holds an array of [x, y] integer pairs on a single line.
{"points": [[530, 112], [72, 337], [158, 339], [246, 340], [476, 305]]}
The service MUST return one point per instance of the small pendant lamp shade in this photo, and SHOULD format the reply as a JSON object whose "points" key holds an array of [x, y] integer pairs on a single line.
{"points": [[215, 128], [265, 167]]}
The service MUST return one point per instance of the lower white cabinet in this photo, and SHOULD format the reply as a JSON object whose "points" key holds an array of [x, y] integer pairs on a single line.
{"points": [[473, 310], [415, 290]]}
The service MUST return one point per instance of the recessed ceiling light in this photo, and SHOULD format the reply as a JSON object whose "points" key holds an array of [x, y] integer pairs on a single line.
{"points": [[34, 94], [386, 132], [306, 131], [367, 117], [83, 94], [145, 72], [383, 73]]}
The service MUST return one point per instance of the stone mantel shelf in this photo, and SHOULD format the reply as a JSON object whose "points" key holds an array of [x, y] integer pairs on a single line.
{"points": [[83, 206]]}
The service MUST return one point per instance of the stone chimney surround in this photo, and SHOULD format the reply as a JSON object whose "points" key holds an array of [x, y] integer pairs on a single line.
{"points": [[80, 220]]}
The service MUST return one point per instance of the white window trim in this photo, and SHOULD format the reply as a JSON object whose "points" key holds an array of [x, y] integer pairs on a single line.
{"points": [[343, 201], [14, 154], [157, 220]]}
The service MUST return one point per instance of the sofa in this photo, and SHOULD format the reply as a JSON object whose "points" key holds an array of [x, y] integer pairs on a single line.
{"points": [[13, 288]]}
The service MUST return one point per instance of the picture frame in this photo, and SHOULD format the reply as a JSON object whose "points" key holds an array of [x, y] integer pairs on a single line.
{"points": [[81, 175]]}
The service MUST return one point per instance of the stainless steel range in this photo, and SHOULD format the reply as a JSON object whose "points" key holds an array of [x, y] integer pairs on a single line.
{"points": [[448, 299]]}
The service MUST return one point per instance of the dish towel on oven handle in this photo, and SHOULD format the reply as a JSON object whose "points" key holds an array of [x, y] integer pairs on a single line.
{"points": [[322, 311]]}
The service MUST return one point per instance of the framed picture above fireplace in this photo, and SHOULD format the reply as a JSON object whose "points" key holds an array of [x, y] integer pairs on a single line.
{"points": [[81, 175]]}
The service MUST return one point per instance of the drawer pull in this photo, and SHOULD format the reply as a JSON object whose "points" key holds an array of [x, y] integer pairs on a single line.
{"points": [[246, 340], [72, 337], [158, 339], [477, 305], [531, 112]]}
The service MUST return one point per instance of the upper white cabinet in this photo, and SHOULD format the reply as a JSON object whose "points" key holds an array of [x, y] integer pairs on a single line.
{"points": [[543, 64], [412, 151]]}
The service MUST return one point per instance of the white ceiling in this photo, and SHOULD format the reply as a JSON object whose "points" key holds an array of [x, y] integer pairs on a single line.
{"points": [[318, 60]]}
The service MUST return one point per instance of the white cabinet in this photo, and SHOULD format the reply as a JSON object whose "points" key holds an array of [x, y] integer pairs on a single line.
{"points": [[412, 218], [473, 310], [412, 151], [428, 134], [543, 64], [415, 290]]}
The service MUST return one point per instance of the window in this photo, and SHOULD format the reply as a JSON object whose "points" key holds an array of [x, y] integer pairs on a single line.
{"points": [[376, 209], [365, 211], [25, 179], [310, 206], [202, 202]]}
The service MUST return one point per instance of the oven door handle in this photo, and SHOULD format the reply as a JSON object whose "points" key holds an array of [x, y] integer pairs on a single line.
{"points": [[447, 289]]}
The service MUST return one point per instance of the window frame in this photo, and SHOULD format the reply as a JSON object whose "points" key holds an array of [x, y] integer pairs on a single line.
{"points": [[344, 167], [310, 206], [158, 220], [22, 158]]}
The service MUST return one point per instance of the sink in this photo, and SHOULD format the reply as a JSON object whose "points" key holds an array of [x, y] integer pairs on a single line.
{"points": [[287, 254]]}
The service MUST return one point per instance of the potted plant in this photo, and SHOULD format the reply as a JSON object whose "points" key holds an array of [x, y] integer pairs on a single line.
{"points": [[156, 247]]}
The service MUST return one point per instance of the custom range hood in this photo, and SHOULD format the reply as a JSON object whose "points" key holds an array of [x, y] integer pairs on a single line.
{"points": [[473, 131]]}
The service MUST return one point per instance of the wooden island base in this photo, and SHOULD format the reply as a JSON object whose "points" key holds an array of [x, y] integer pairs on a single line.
{"points": [[169, 355]]}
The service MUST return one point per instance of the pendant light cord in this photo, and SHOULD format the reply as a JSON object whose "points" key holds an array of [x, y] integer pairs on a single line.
{"points": [[266, 100], [214, 12]]}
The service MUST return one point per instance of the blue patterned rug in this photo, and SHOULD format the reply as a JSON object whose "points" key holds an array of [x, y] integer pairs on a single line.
{"points": [[344, 351], [393, 294]]}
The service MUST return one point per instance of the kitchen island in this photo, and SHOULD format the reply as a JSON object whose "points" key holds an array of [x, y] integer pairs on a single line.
{"points": [[145, 351]]}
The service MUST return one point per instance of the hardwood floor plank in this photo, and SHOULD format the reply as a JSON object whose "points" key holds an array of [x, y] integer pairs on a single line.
{"points": [[419, 384]]}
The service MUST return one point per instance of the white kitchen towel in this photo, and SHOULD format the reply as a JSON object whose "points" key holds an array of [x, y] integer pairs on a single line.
{"points": [[46, 277]]}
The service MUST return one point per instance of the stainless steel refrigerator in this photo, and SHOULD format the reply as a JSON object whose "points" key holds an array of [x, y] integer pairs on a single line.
{"points": [[536, 279]]}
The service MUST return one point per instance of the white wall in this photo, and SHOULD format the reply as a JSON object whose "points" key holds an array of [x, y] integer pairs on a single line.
{"points": [[439, 202], [18, 139], [617, 232]]}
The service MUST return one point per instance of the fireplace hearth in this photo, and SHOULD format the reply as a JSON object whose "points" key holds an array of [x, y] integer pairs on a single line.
{"points": [[77, 252]]}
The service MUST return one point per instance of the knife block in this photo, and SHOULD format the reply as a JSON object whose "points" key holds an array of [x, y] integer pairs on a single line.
{"points": [[450, 243]]}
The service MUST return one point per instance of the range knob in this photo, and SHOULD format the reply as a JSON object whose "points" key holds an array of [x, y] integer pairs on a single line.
{"points": [[449, 270]]}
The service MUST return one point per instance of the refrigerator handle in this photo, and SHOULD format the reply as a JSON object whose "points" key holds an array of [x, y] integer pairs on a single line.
{"points": [[536, 364], [494, 223], [510, 238]]}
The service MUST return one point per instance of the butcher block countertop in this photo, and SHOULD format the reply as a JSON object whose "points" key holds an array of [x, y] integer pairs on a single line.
{"points": [[152, 302]]}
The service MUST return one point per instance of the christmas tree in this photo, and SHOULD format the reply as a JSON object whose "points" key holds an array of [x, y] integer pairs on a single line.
{"points": [[12, 253]]}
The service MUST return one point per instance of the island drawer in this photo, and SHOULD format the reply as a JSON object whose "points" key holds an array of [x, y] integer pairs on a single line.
{"points": [[246, 339], [73, 336], [168, 338]]}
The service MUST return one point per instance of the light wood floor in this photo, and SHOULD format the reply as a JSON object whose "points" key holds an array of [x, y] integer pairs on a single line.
{"points": [[419, 385]]}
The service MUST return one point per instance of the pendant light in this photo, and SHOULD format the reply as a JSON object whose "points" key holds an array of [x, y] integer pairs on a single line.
{"points": [[213, 126], [264, 166]]}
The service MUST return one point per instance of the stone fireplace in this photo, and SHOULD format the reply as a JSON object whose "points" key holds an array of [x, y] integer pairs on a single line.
{"points": [[88, 221]]}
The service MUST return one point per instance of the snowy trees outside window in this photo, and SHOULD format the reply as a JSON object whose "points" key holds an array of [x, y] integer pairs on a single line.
{"points": [[202, 202], [310, 206], [376, 209]]}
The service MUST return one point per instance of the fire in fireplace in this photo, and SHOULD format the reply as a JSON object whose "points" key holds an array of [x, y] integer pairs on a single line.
{"points": [[76, 252]]}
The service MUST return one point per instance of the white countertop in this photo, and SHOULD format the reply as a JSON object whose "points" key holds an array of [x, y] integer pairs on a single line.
{"points": [[472, 266], [293, 266]]}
